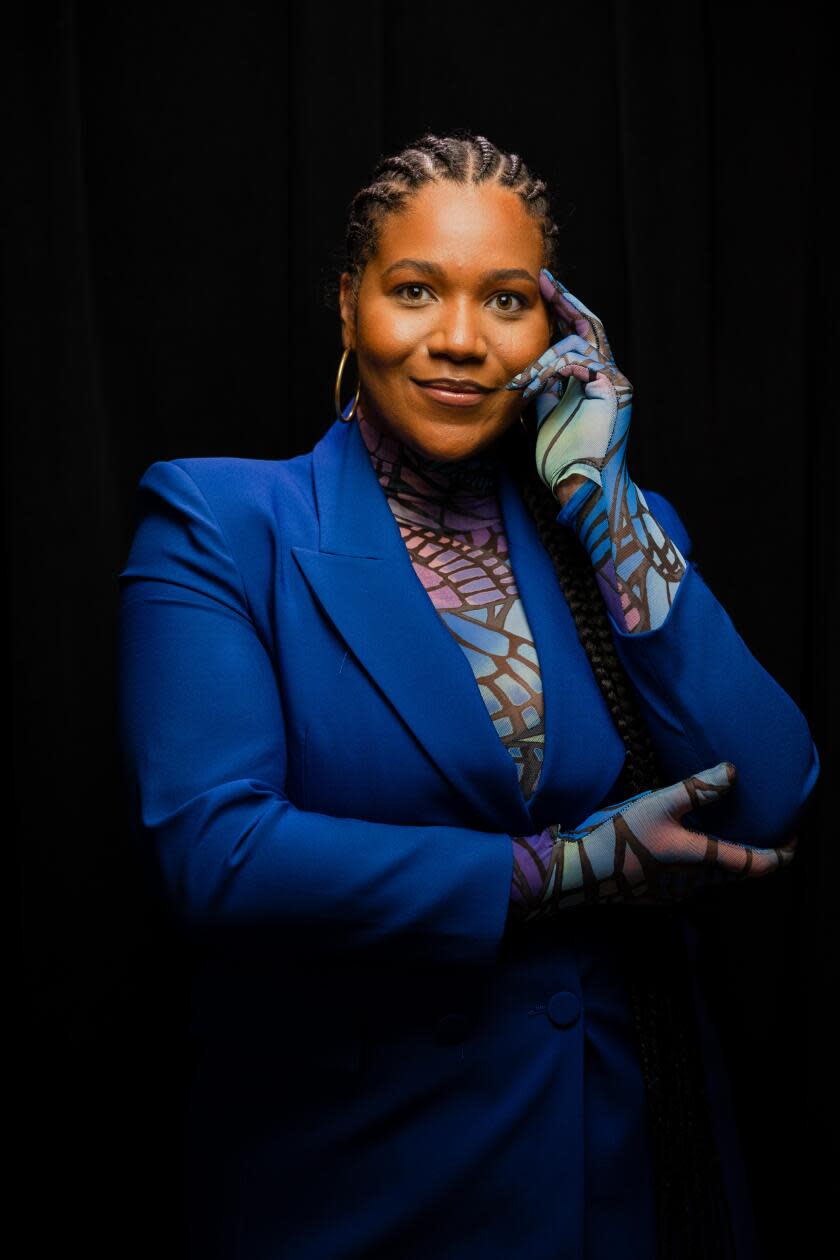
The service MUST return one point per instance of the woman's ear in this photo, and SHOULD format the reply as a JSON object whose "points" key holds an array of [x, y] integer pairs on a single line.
{"points": [[347, 306]]}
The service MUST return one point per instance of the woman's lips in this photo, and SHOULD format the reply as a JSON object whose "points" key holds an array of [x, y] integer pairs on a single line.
{"points": [[451, 398]]}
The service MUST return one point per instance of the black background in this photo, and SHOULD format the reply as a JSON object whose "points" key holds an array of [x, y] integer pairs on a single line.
{"points": [[177, 184]]}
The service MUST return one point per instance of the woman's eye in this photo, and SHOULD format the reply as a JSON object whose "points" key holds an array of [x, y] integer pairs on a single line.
{"points": [[412, 292], [522, 303], [403, 289]]}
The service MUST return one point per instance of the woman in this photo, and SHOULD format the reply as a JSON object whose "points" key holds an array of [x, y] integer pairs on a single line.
{"points": [[433, 732]]}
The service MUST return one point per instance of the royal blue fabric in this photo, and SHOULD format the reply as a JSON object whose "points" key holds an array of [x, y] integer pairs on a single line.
{"points": [[313, 775]]}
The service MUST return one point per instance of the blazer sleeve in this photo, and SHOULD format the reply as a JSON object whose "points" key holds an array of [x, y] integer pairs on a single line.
{"points": [[204, 753], [707, 699]]}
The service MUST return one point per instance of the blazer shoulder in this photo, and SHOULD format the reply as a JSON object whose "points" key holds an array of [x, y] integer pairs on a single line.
{"points": [[258, 506], [236, 489], [228, 479]]}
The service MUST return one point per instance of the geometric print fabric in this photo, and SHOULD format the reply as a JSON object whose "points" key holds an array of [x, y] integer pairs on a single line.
{"points": [[450, 521]]}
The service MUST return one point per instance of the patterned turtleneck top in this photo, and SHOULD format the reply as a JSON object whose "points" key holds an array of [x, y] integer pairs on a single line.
{"points": [[450, 520]]}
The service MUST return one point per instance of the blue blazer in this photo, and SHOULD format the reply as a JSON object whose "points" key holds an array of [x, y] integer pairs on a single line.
{"points": [[312, 771]]}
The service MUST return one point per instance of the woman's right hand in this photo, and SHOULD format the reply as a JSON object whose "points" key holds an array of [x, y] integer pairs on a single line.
{"points": [[636, 851]]}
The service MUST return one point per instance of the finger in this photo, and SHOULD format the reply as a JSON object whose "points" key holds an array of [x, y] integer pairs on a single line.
{"points": [[582, 372], [700, 789], [550, 356], [583, 369], [550, 367], [576, 313], [707, 860], [754, 861], [677, 845], [570, 308], [714, 860], [786, 851], [563, 300]]}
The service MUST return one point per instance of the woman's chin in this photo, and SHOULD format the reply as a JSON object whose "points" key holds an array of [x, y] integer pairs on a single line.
{"points": [[438, 432]]}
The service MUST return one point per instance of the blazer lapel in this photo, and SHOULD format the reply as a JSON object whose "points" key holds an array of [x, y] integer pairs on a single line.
{"points": [[583, 752], [363, 579]]}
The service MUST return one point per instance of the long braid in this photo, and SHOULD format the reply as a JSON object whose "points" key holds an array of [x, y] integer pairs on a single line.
{"points": [[692, 1220], [692, 1217]]}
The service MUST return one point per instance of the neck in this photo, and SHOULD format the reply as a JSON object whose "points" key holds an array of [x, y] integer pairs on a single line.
{"points": [[406, 474]]}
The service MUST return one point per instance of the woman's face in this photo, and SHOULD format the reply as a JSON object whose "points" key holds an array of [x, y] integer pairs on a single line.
{"points": [[453, 291]]}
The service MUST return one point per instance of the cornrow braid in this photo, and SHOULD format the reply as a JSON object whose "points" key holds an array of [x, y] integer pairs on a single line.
{"points": [[692, 1219], [461, 159]]}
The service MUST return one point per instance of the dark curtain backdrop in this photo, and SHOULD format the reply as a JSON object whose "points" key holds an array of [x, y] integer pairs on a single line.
{"points": [[177, 180]]}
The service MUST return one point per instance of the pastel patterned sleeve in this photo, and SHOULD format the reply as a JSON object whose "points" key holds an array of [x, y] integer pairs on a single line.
{"points": [[584, 404], [704, 695], [637, 566]]}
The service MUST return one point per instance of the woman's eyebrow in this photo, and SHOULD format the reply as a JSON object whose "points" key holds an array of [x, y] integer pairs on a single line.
{"points": [[486, 277]]}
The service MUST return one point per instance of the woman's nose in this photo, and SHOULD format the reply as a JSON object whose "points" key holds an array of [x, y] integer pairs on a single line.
{"points": [[459, 330]]}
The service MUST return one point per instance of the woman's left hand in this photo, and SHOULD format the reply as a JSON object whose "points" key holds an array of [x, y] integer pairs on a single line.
{"points": [[581, 455], [584, 432]]}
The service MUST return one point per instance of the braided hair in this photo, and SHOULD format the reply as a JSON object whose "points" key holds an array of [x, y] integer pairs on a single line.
{"points": [[692, 1219]]}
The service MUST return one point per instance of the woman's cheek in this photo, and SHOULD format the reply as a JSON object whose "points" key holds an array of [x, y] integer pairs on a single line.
{"points": [[521, 347], [389, 333]]}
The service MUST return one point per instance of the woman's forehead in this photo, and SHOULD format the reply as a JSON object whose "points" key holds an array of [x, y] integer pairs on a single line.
{"points": [[449, 223]]}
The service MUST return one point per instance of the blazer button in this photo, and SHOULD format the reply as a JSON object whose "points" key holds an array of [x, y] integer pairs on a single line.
{"points": [[563, 1008], [451, 1029]]}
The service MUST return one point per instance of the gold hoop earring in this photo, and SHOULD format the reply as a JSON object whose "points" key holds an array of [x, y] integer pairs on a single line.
{"points": [[338, 413]]}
